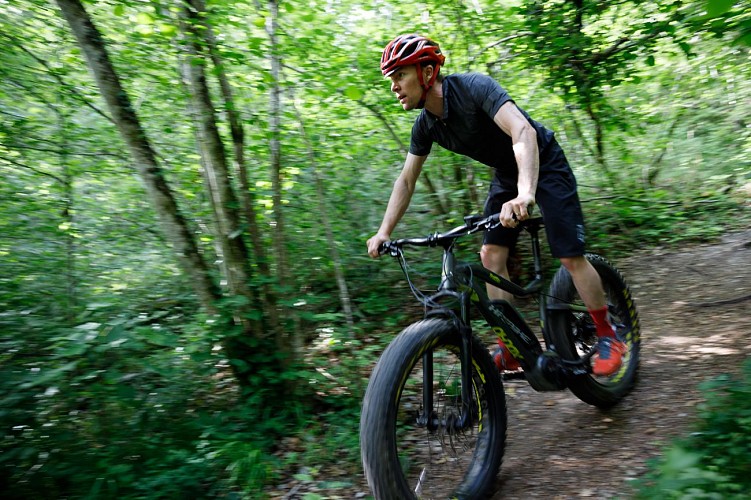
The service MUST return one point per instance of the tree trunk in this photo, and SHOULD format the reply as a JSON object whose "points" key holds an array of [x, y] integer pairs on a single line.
{"points": [[650, 172], [599, 144], [268, 297], [275, 112], [214, 161], [68, 211], [126, 120], [341, 280], [474, 197]]}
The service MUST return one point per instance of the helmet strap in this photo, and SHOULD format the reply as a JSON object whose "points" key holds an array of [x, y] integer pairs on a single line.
{"points": [[425, 86]]}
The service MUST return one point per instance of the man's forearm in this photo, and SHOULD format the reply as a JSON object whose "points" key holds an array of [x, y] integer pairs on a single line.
{"points": [[397, 206], [401, 194], [528, 161]]}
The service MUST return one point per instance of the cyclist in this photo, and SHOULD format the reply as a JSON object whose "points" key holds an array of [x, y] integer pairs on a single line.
{"points": [[473, 115]]}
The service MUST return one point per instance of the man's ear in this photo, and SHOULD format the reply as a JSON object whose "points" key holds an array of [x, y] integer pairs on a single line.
{"points": [[427, 72]]}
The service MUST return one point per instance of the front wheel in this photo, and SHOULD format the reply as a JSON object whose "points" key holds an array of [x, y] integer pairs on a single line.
{"points": [[406, 456], [573, 333]]}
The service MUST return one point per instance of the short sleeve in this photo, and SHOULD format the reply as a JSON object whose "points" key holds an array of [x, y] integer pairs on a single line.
{"points": [[488, 94]]}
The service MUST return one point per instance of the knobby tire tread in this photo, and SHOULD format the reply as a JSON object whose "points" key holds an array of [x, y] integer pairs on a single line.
{"points": [[601, 393], [378, 445]]}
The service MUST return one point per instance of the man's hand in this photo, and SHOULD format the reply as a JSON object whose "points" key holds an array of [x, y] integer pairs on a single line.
{"points": [[375, 242], [517, 210]]}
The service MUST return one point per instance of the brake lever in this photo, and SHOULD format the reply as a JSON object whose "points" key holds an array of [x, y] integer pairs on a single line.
{"points": [[492, 225], [491, 222], [387, 247]]}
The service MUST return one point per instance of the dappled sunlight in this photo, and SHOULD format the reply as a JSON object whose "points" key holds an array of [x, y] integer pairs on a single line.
{"points": [[674, 340], [679, 347], [720, 351], [328, 375], [714, 337]]}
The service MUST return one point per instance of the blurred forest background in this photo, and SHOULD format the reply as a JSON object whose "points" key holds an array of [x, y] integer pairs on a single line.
{"points": [[187, 187]]}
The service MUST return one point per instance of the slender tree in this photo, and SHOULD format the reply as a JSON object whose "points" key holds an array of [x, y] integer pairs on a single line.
{"points": [[214, 160], [284, 344], [173, 223], [425, 177], [341, 280], [237, 131]]}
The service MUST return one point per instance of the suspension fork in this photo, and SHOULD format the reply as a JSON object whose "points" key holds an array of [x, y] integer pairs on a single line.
{"points": [[428, 418], [465, 419], [465, 351]]}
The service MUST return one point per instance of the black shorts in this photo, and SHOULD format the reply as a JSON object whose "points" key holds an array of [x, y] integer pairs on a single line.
{"points": [[558, 201]]}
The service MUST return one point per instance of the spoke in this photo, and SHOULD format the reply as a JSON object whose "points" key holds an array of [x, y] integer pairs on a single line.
{"points": [[447, 452], [418, 488]]}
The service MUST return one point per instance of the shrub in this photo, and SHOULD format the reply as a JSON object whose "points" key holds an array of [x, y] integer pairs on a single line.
{"points": [[714, 461]]}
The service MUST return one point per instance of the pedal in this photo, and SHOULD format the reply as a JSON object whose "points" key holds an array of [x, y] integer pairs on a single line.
{"points": [[517, 375]]}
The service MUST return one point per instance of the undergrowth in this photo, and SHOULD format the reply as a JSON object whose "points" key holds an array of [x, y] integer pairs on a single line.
{"points": [[713, 461], [143, 403]]}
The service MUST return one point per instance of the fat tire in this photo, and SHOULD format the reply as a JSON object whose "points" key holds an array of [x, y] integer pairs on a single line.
{"points": [[601, 392], [378, 423]]}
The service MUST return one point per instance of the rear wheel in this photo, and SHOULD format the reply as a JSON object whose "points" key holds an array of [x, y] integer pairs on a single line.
{"points": [[574, 337], [404, 458]]}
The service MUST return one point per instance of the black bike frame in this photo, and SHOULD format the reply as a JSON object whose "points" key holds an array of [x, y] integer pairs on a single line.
{"points": [[461, 279], [466, 283]]}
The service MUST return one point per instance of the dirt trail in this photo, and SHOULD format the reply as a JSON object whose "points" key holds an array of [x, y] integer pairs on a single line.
{"points": [[695, 308]]}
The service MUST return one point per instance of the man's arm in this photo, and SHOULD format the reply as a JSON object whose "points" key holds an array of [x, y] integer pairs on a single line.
{"points": [[401, 195], [524, 140]]}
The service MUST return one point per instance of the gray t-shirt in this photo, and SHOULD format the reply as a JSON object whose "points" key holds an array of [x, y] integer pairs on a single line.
{"points": [[470, 101]]}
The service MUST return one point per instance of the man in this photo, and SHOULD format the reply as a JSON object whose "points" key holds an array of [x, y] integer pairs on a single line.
{"points": [[471, 114]]}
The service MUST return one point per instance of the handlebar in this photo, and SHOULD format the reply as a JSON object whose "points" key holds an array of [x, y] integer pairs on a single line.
{"points": [[472, 224]]}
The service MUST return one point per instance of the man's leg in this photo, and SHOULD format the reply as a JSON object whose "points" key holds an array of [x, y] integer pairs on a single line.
{"points": [[494, 255], [564, 226], [495, 258], [586, 281], [589, 285]]}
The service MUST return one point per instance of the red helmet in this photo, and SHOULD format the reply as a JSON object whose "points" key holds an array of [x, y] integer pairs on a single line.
{"points": [[407, 50]]}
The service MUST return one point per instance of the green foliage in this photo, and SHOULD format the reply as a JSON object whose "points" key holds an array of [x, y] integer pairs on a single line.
{"points": [[132, 407], [713, 462], [114, 384], [658, 218], [586, 45], [727, 18]]}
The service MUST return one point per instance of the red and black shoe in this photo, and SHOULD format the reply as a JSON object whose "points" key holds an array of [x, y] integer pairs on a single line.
{"points": [[503, 359], [609, 357]]}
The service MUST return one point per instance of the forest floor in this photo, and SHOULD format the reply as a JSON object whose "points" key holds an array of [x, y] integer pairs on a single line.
{"points": [[694, 307]]}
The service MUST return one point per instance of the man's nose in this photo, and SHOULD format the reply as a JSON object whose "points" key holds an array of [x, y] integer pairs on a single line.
{"points": [[393, 86]]}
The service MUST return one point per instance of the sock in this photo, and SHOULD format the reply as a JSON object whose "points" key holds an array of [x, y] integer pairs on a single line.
{"points": [[602, 324]]}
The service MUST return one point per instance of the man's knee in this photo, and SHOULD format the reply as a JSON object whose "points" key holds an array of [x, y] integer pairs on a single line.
{"points": [[494, 257], [573, 264]]}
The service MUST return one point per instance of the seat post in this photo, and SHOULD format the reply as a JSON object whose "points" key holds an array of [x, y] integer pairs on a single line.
{"points": [[533, 226]]}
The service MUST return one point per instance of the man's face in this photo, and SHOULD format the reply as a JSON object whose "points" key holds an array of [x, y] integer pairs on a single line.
{"points": [[406, 86]]}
